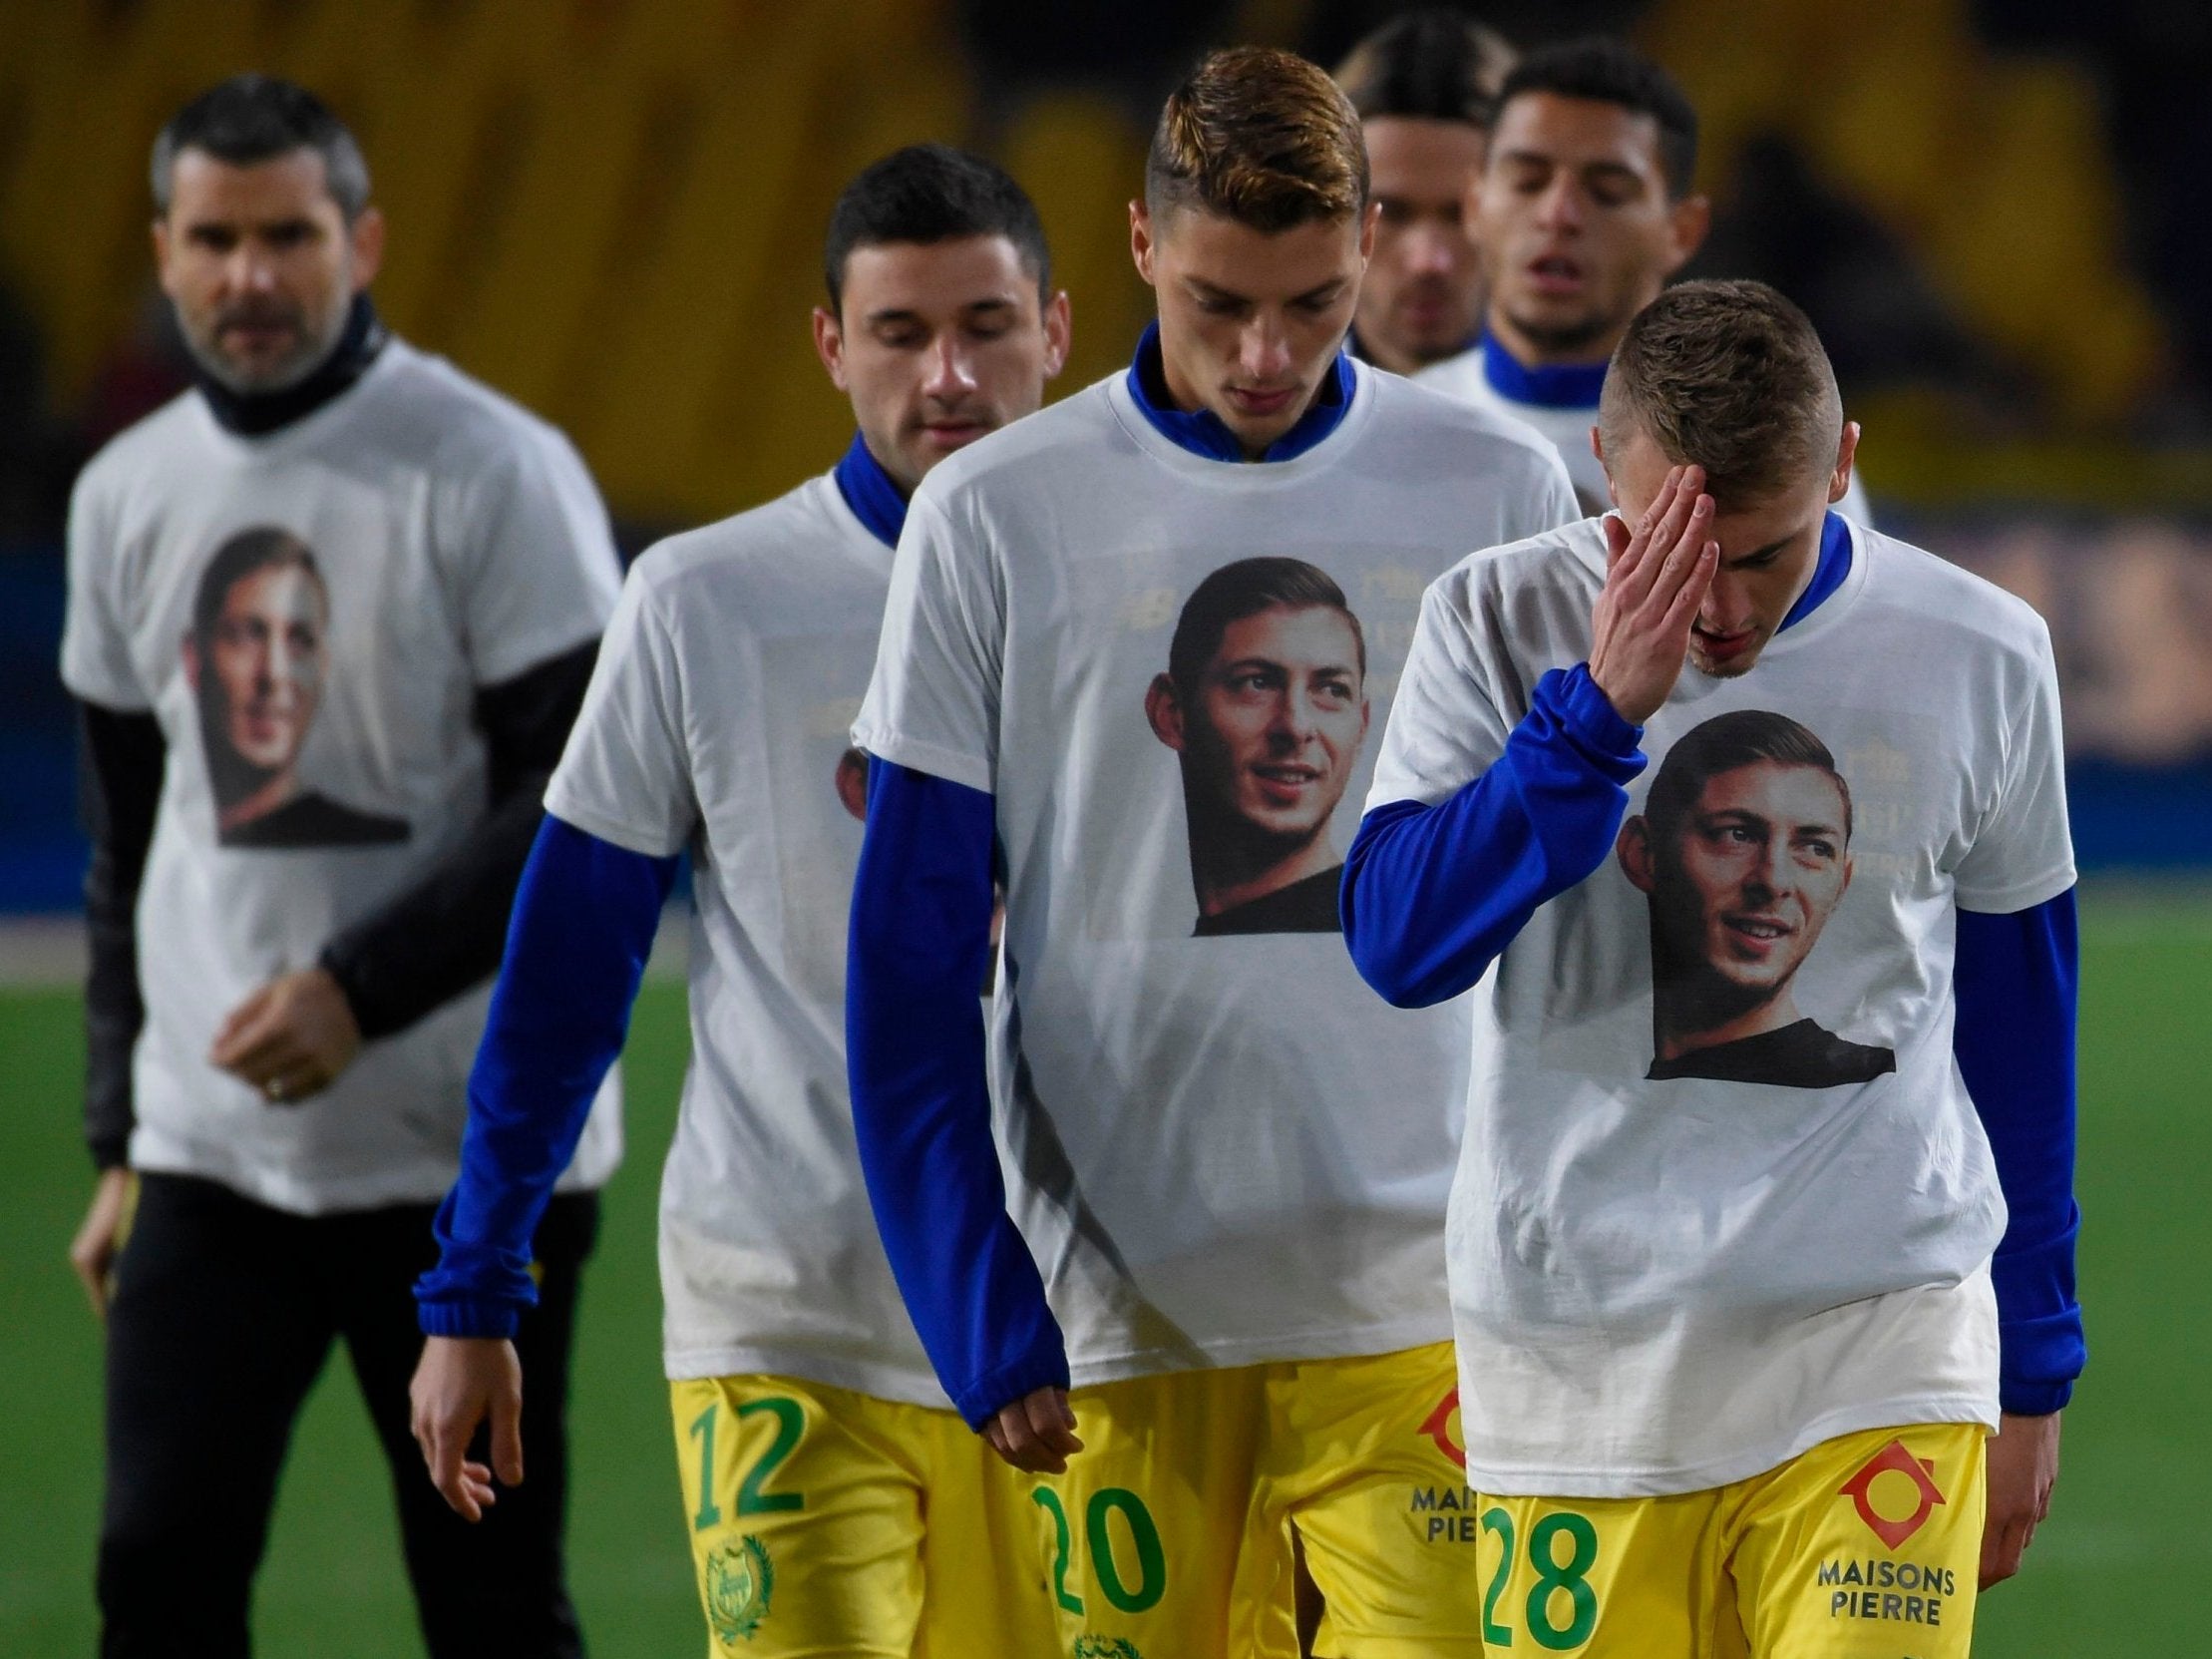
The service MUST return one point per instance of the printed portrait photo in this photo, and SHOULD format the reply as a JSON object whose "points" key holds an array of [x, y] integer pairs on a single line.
{"points": [[1264, 704], [1743, 850], [257, 660]]}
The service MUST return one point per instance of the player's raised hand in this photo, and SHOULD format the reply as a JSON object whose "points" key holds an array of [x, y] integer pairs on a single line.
{"points": [[1656, 575], [459, 1381], [1035, 1433], [2024, 1468], [291, 1038]]}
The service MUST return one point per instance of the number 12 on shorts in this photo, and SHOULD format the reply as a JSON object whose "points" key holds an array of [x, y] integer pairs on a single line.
{"points": [[790, 1423], [1555, 1577]]}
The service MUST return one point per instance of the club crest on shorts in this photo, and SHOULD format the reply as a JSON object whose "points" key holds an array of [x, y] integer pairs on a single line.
{"points": [[1439, 1428], [740, 1579], [1898, 1517], [1104, 1647]]}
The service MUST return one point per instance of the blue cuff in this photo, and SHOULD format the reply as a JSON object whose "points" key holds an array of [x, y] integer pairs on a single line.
{"points": [[1432, 895], [583, 927], [2014, 982], [914, 1050]]}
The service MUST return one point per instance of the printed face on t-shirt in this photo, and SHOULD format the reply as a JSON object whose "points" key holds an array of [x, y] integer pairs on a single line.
{"points": [[1743, 851], [265, 663], [259, 660], [1269, 726]]}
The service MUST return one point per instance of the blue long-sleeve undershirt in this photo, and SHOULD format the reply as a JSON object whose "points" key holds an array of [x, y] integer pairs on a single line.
{"points": [[1433, 893], [2015, 979], [915, 1047], [583, 927]]}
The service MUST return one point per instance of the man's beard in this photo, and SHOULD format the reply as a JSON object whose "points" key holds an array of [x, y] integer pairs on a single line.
{"points": [[312, 352], [1566, 340]]}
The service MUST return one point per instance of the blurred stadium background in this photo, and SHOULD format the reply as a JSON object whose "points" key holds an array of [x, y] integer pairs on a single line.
{"points": [[611, 208]]}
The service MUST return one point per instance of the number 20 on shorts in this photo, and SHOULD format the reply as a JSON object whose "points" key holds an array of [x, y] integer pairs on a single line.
{"points": [[1562, 1570], [1126, 1593]]}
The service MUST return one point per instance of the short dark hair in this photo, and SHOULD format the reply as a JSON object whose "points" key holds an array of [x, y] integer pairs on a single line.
{"points": [[1261, 137], [1609, 71], [1731, 377], [262, 547], [1430, 65], [932, 193], [1745, 738], [259, 118], [1244, 589]]}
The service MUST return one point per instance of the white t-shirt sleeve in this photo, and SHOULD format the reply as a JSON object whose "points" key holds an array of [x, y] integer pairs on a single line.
{"points": [[1445, 729], [536, 563], [2022, 852], [96, 648], [1559, 504], [932, 704], [625, 775]]}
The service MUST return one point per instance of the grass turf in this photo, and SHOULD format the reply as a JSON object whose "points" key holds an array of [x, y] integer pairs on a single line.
{"points": [[2108, 1574]]}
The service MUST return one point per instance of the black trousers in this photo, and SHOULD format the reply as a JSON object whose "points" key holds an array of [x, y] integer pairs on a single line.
{"points": [[224, 1311]]}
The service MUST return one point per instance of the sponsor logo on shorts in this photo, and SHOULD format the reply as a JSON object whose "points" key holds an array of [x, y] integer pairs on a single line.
{"points": [[1441, 1427], [1894, 1509], [741, 1578], [1904, 1591], [1105, 1647]]}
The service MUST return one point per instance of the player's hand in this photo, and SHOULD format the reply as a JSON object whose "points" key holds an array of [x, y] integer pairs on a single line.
{"points": [[2023, 1468], [459, 1381], [93, 1251], [1656, 575], [1036, 1433], [291, 1038]]}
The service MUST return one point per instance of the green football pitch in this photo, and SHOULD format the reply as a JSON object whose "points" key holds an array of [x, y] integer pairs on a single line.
{"points": [[2110, 1574]]}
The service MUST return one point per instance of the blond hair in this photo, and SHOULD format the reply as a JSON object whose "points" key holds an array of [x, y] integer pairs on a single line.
{"points": [[1730, 377], [1261, 137]]}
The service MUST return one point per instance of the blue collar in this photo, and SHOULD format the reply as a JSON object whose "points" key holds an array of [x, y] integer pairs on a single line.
{"points": [[1828, 574], [1206, 433], [868, 490], [1553, 386]]}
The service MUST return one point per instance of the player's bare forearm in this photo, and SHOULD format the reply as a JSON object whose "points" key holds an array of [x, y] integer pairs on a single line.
{"points": [[2022, 1470], [460, 1381], [1036, 1433]]}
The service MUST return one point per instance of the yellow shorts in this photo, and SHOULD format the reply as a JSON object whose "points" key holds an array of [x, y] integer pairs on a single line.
{"points": [[1865, 1547], [1170, 1535], [829, 1522]]}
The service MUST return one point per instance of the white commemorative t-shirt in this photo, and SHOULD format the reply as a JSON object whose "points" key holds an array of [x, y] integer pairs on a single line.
{"points": [[309, 615], [1724, 1194], [1567, 427], [717, 721], [1223, 1148]]}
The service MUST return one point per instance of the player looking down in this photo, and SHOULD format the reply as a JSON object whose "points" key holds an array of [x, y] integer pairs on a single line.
{"points": [[1226, 1227], [836, 1504], [1735, 1328], [1423, 85]]}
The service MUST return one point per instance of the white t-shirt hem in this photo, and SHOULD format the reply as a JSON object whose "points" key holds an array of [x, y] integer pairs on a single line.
{"points": [[330, 1191], [1501, 1481], [925, 757], [1359, 1342], [767, 1359]]}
